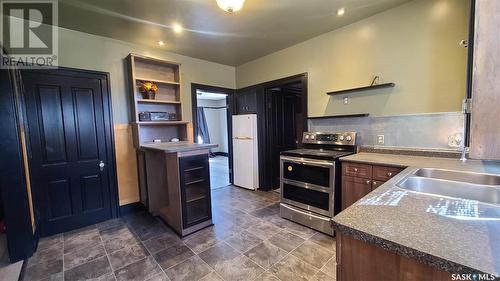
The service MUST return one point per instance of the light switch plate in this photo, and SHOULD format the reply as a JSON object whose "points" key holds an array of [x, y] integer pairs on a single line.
{"points": [[380, 139]]}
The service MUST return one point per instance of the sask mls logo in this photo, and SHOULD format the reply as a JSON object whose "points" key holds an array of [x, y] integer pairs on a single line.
{"points": [[29, 34]]}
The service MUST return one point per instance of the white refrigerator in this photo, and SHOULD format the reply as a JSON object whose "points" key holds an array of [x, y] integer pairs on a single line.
{"points": [[245, 151]]}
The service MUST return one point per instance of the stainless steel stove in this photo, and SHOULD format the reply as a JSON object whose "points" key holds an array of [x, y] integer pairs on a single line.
{"points": [[310, 179]]}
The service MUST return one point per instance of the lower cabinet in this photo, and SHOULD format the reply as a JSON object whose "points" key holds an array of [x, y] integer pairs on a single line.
{"points": [[177, 188], [354, 189], [358, 260], [360, 179]]}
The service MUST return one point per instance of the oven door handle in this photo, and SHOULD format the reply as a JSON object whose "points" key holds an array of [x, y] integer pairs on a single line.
{"points": [[307, 213], [324, 189], [304, 161]]}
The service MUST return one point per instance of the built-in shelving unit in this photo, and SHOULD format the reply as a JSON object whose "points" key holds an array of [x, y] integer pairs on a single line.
{"points": [[361, 89], [158, 101], [166, 75]]}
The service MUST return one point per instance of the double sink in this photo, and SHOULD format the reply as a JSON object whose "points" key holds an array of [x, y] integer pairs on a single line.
{"points": [[464, 185]]}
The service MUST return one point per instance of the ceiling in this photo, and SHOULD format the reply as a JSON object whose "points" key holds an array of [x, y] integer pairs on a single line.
{"points": [[260, 28]]}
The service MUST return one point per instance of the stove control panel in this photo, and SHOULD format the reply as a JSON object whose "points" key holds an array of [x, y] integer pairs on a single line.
{"points": [[344, 138]]}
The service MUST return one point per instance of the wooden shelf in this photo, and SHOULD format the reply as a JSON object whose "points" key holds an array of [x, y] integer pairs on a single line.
{"points": [[361, 89], [173, 83], [340, 116], [161, 123], [158, 101], [167, 76]]}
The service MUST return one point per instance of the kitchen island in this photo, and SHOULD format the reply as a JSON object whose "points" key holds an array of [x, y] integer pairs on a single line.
{"points": [[398, 234], [177, 184]]}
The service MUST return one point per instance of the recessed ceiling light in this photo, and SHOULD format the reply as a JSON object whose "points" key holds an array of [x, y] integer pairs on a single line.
{"points": [[177, 28], [161, 43], [340, 12]]}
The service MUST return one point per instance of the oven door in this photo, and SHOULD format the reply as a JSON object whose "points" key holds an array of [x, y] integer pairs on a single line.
{"points": [[308, 184]]}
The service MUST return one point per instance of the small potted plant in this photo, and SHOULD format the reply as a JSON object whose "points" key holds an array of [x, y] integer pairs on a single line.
{"points": [[148, 90]]}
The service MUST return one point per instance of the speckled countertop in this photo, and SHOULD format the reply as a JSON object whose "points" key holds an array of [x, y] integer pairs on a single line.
{"points": [[455, 235], [182, 146]]}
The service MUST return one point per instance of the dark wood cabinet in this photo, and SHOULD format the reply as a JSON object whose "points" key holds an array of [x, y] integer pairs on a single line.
{"points": [[354, 189], [246, 101], [178, 187], [360, 179], [358, 260], [195, 189]]}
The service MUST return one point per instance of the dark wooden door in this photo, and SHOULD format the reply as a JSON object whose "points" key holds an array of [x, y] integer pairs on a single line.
{"points": [[353, 189], [281, 117], [68, 144]]}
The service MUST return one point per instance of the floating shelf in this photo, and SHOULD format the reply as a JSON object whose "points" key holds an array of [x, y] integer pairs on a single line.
{"points": [[360, 89], [173, 83], [341, 116], [158, 101], [161, 123]]}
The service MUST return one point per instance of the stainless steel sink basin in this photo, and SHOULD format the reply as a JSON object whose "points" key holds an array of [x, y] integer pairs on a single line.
{"points": [[463, 190], [465, 177]]}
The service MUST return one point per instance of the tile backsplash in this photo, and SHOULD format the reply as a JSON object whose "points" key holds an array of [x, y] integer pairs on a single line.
{"points": [[422, 131]]}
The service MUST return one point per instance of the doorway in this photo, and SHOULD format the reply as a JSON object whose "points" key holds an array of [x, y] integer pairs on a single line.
{"points": [[284, 124], [212, 124], [70, 141]]}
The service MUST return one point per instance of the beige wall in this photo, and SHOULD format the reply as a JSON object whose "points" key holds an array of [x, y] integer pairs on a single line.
{"points": [[86, 51], [414, 45]]}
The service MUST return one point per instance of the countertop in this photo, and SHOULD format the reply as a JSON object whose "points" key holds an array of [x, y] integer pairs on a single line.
{"points": [[455, 235], [173, 147]]}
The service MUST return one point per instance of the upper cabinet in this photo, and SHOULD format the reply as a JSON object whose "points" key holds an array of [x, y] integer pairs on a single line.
{"points": [[485, 128], [246, 101]]}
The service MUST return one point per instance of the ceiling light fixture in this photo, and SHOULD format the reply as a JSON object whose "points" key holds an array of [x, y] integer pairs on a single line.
{"points": [[177, 28], [340, 12], [230, 6], [161, 43]]}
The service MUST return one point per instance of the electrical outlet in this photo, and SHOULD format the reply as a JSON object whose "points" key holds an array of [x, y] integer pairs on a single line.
{"points": [[346, 100], [455, 140], [380, 139]]}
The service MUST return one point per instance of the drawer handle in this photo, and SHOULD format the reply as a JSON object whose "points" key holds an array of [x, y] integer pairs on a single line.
{"points": [[355, 169], [368, 182], [389, 174]]}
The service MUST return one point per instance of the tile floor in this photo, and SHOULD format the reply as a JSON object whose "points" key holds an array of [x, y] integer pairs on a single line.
{"points": [[219, 172], [249, 241], [8, 271]]}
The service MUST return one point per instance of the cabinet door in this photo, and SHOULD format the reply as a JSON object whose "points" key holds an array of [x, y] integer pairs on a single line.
{"points": [[195, 189], [376, 184], [354, 189], [240, 103], [246, 101]]}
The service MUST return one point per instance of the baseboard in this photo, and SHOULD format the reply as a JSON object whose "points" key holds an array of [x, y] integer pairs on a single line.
{"points": [[221, 154], [131, 208]]}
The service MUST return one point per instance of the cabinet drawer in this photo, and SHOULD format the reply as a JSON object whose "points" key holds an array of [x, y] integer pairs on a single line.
{"points": [[357, 170], [384, 173]]}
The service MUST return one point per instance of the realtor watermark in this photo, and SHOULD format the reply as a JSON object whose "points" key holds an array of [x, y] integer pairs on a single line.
{"points": [[473, 277], [29, 34]]}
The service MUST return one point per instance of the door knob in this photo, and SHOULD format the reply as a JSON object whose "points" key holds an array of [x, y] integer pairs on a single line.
{"points": [[389, 174], [101, 165], [367, 182]]}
